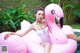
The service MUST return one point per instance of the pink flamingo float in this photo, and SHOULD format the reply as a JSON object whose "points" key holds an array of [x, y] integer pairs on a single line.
{"points": [[30, 43], [60, 43]]}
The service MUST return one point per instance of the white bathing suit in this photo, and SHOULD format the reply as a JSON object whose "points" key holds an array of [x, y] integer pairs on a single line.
{"points": [[43, 34]]}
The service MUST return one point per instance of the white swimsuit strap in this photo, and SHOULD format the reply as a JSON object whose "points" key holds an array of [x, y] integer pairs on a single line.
{"points": [[35, 26]]}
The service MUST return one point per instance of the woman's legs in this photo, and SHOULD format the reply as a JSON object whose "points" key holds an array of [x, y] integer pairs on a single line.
{"points": [[47, 47]]}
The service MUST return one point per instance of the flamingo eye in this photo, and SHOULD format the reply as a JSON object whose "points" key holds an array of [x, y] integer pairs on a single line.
{"points": [[52, 11]]}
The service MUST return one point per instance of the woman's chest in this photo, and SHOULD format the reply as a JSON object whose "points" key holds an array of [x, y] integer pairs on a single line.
{"points": [[40, 27]]}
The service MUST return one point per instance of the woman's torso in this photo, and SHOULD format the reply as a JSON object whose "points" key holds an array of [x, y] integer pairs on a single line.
{"points": [[42, 31]]}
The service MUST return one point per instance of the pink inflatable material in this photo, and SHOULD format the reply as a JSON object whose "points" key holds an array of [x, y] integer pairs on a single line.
{"points": [[25, 25], [14, 44], [33, 41], [60, 43]]}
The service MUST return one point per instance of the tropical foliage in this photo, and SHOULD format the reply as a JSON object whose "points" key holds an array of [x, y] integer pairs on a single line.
{"points": [[13, 12], [71, 10], [10, 18]]}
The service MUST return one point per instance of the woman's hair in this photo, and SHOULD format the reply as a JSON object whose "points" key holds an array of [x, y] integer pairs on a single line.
{"points": [[38, 8]]}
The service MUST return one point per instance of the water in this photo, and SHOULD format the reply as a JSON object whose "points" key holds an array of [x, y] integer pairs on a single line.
{"points": [[77, 32], [78, 48]]}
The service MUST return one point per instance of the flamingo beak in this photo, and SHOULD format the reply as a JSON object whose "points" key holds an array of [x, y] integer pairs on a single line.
{"points": [[60, 19], [61, 22]]}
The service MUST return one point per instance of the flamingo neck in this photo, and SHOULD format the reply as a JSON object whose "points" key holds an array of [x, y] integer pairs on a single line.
{"points": [[52, 26]]}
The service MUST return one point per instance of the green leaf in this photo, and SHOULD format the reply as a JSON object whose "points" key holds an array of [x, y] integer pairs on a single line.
{"points": [[68, 6], [76, 12], [12, 24], [52, 1]]}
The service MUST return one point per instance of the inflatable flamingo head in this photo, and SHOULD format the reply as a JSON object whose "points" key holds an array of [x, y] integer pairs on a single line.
{"points": [[53, 11]]}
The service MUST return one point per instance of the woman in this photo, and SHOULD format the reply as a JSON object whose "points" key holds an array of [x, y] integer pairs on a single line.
{"points": [[39, 26]]}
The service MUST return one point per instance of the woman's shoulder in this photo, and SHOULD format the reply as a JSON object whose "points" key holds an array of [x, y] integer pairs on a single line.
{"points": [[33, 26], [45, 24]]}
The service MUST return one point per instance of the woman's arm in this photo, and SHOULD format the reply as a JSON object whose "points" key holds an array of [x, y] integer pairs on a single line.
{"points": [[20, 32], [71, 36], [23, 32]]}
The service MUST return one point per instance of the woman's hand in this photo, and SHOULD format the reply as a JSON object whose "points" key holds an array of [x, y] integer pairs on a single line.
{"points": [[7, 35]]}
